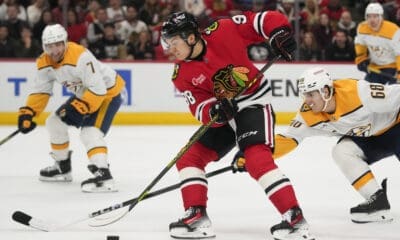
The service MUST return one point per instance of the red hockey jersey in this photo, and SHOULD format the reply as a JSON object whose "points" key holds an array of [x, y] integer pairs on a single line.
{"points": [[202, 82]]}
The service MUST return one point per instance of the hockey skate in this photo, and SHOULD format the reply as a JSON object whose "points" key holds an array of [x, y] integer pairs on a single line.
{"points": [[296, 229], [102, 181], [59, 172], [195, 224], [375, 209]]}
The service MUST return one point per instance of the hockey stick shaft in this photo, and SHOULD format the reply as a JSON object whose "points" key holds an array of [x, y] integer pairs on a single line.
{"points": [[196, 136], [9, 137], [177, 185], [25, 219], [151, 194]]}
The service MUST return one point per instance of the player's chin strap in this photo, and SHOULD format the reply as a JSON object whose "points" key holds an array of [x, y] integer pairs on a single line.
{"points": [[326, 100], [191, 47]]}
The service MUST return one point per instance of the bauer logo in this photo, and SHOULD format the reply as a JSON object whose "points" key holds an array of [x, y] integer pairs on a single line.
{"points": [[126, 94]]}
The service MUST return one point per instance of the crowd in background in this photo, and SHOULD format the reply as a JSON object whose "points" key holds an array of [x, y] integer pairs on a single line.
{"points": [[130, 29]]}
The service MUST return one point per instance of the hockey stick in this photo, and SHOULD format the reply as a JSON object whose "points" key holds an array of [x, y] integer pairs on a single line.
{"points": [[38, 224], [9, 137], [196, 136], [25, 219], [384, 74]]}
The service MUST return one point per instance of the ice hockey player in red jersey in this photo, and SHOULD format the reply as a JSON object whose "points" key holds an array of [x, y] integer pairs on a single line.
{"points": [[212, 67]]}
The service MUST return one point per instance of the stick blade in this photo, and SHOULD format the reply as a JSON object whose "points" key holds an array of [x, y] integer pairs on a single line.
{"points": [[21, 217], [27, 220]]}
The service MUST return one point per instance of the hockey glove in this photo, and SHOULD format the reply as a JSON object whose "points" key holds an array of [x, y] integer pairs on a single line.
{"points": [[283, 42], [363, 66], [73, 112], [226, 109], [25, 122], [238, 163]]}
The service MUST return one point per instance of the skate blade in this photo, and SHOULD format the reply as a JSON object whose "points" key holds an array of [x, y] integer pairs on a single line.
{"points": [[383, 216], [104, 188], [199, 233], [58, 178]]}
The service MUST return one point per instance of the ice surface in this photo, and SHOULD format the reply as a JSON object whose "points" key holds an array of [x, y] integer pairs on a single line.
{"points": [[237, 207]]}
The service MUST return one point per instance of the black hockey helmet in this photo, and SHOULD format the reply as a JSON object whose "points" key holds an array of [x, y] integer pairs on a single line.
{"points": [[182, 24]]}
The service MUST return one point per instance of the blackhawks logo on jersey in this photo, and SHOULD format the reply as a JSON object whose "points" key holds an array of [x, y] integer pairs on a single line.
{"points": [[230, 81], [175, 73]]}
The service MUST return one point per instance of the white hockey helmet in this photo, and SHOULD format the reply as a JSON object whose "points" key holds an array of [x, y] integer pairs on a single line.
{"points": [[54, 33], [374, 8], [314, 79]]}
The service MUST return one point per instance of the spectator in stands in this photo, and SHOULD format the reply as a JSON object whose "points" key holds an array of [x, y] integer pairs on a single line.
{"points": [[3, 10], [81, 9], [309, 49], [6, 43], [323, 33], [75, 29], [347, 24], [109, 46], [131, 24], [198, 9], [218, 8], [57, 12], [35, 10], [150, 13], [90, 16], [96, 29], [341, 49], [46, 18], [391, 10], [143, 48], [21, 11], [309, 15], [116, 11], [334, 10], [287, 8], [27, 46], [13, 23], [171, 5], [130, 46]]}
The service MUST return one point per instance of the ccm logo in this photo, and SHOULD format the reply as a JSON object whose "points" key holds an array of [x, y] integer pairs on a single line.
{"points": [[246, 134]]}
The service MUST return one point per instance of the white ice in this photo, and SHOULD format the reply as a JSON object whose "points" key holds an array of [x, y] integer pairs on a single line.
{"points": [[237, 205]]}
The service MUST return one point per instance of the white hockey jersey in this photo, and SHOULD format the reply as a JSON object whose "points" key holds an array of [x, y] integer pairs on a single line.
{"points": [[382, 47], [362, 109], [80, 72]]}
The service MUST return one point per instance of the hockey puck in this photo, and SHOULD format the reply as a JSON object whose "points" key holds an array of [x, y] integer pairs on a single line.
{"points": [[112, 237]]}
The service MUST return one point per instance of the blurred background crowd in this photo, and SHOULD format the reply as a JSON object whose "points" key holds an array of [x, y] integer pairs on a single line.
{"points": [[130, 29]]}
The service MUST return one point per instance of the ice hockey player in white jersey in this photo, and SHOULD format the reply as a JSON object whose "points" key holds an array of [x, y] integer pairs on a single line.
{"points": [[366, 118], [96, 99], [377, 47]]}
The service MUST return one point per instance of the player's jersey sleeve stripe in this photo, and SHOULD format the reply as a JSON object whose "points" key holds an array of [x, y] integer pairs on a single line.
{"points": [[258, 23], [200, 107]]}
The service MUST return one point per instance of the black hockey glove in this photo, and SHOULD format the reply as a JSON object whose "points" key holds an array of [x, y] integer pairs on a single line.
{"points": [[73, 112], [363, 66], [226, 109], [283, 42], [25, 122], [239, 162]]}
